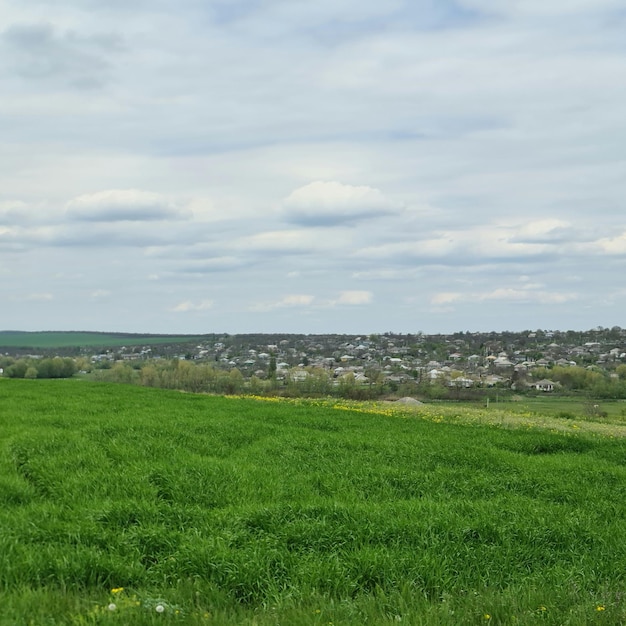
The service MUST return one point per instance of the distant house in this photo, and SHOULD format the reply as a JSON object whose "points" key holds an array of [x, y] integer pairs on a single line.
{"points": [[493, 380], [565, 363], [461, 382], [298, 375], [502, 361], [545, 385]]}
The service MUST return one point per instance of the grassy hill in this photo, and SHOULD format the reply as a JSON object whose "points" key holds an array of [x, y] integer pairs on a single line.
{"points": [[58, 339], [125, 505]]}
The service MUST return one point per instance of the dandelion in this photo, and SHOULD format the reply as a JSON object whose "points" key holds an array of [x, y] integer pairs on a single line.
{"points": [[600, 607], [117, 590], [159, 608], [487, 616], [112, 606]]}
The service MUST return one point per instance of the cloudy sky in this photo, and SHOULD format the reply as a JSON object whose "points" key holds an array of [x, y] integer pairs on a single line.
{"points": [[351, 166]]}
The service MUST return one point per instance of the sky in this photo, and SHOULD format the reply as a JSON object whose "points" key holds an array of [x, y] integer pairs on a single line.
{"points": [[337, 166]]}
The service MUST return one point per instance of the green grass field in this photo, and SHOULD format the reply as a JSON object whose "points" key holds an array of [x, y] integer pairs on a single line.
{"points": [[126, 505], [573, 407], [53, 339]]}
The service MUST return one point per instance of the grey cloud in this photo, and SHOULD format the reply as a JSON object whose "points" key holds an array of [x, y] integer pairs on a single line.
{"points": [[39, 52], [217, 265], [94, 235], [17, 213], [485, 244], [539, 8]]}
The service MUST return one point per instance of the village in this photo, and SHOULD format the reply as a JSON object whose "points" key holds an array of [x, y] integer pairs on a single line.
{"points": [[518, 361]]}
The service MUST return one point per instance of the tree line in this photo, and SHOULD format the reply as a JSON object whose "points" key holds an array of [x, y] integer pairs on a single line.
{"points": [[56, 367], [205, 378], [592, 382]]}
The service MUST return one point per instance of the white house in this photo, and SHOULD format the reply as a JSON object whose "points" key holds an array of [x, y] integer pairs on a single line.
{"points": [[545, 385]]}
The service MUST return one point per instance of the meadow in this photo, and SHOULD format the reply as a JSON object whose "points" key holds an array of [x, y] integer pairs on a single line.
{"points": [[571, 407], [128, 505]]}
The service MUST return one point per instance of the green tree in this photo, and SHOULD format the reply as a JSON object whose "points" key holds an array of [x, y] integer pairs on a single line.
{"points": [[17, 370], [31, 373], [149, 376], [256, 386], [620, 370], [230, 382], [271, 369]]}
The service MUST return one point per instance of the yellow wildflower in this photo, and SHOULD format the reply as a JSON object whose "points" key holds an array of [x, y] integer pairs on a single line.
{"points": [[117, 590]]}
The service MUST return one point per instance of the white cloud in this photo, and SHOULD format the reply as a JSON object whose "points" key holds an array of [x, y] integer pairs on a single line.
{"points": [[4, 231], [542, 231], [612, 245], [355, 298], [345, 298], [33, 297], [116, 205], [445, 297], [528, 294], [289, 301], [296, 300], [188, 306], [100, 293], [40, 296], [298, 241], [327, 203]]}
